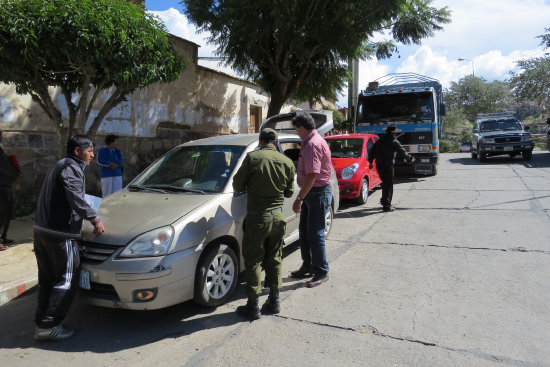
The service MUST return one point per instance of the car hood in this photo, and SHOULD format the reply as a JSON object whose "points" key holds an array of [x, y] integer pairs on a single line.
{"points": [[127, 214], [340, 163], [489, 134]]}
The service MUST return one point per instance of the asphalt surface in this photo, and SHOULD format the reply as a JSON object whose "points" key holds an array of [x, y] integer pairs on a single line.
{"points": [[457, 276]]}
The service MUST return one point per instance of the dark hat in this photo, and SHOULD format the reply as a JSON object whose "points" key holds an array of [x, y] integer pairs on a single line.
{"points": [[268, 134], [391, 130]]}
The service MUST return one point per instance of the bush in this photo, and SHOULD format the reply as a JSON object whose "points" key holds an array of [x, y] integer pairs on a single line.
{"points": [[446, 146]]}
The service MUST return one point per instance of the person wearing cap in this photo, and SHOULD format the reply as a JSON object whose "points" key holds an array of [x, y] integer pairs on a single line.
{"points": [[384, 151], [267, 176], [8, 175], [313, 200]]}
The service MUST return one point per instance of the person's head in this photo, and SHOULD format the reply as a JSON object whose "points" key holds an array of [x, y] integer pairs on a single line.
{"points": [[110, 140], [391, 130], [268, 136], [81, 147], [304, 123]]}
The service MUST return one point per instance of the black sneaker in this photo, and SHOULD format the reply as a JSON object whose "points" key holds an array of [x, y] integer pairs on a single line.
{"points": [[56, 333]]}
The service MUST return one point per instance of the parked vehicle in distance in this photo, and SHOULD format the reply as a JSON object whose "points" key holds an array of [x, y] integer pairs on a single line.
{"points": [[175, 232], [349, 159], [499, 134], [465, 147]]}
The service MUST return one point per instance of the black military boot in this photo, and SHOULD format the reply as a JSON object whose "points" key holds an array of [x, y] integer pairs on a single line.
{"points": [[251, 310], [272, 305]]}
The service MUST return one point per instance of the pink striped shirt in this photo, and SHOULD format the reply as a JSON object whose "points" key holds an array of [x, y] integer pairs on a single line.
{"points": [[314, 158]]}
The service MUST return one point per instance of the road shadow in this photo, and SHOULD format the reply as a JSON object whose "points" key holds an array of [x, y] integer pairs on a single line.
{"points": [[539, 160]]}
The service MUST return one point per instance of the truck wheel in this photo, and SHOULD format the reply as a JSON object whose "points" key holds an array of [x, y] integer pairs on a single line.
{"points": [[527, 155], [216, 276], [472, 153], [364, 193], [481, 155]]}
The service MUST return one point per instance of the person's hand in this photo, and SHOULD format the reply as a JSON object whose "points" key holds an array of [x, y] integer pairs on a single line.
{"points": [[99, 228], [113, 166], [297, 206]]}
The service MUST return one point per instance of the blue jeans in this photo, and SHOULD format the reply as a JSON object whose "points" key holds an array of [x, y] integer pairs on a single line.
{"points": [[312, 229]]}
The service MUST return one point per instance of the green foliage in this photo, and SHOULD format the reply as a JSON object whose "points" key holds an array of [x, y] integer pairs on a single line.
{"points": [[299, 48], [446, 146], [340, 122], [83, 47], [473, 95]]}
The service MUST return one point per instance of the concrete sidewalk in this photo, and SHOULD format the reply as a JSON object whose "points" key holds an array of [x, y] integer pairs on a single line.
{"points": [[18, 270]]}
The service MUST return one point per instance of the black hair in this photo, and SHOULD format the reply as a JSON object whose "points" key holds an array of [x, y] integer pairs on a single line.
{"points": [[110, 139], [304, 119], [78, 141]]}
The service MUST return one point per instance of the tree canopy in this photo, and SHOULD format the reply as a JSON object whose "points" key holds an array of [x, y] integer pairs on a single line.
{"points": [[82, 47], [532, 82], [472, 95], [298, 49]]}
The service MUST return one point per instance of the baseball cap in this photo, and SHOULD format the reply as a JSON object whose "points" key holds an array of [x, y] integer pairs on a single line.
{"points": [[268, 134]]}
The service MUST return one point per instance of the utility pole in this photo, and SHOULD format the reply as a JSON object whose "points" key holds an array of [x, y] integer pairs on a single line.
{"points": [[353, 88]]}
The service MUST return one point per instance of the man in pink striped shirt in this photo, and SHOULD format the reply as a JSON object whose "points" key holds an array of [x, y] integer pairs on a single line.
{"points": [[313, 200]]}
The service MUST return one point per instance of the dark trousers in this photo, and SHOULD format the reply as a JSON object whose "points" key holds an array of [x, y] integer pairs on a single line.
{"points": [[58, 277], [386, 175], [6, 208]]}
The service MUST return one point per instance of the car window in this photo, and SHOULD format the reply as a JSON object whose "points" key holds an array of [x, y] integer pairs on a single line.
{"points": [[202, 167], [345, 147], [370, 143]]}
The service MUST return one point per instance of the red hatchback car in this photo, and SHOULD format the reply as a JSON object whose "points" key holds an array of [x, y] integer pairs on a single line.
{"points": [[349, 159]]}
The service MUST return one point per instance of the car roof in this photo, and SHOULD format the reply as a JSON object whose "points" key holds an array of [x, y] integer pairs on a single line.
{"points": [[350, 136], [235, 139]]}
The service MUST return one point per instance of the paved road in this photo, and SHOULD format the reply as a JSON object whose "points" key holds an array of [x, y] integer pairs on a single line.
{"points": [[458, 276]]}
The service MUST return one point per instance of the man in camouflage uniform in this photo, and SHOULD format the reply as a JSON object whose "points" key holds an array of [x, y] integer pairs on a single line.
{"points": [[268, 177]]}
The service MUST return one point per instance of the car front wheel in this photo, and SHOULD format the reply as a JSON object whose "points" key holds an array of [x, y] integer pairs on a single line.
{"points": [[527, 155], [364, 193], [216, 277]]}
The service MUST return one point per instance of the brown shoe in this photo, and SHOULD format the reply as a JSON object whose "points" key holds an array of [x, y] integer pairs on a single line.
{"points": [[303, 272], [316, 280]]}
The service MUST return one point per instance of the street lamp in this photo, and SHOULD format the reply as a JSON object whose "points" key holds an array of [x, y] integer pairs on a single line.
{"points": [[463, 59]]}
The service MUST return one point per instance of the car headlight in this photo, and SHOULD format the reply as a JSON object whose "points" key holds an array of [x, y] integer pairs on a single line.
{"points": [[349, 171], [526, 137], [488, 140], [152, 243]]}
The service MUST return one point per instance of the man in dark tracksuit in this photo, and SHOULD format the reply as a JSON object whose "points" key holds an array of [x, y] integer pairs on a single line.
{"points": [[58, 221], [384, 151], [268, 177], [8, 175]]}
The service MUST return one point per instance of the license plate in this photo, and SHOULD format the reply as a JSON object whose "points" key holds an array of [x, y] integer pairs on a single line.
{"points": [[508, 148], [85, 279]]}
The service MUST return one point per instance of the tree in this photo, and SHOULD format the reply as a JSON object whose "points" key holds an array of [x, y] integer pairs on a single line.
{"points": [[297, 49], [473, 95], [532, 82], [83, 47]]}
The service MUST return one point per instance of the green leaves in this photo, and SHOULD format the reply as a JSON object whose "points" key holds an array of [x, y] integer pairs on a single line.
{"points": [[299, 48]]}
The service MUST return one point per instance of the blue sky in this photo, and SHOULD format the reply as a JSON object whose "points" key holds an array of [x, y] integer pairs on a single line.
{"points": [[494, 34]]}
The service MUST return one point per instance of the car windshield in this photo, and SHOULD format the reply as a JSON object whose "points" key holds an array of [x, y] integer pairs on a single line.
{"points": [[345, 148], [195, 169], [496, 125]]}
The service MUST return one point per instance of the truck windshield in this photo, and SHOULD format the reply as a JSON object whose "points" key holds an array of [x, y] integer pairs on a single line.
{"points": [[382, 108]]}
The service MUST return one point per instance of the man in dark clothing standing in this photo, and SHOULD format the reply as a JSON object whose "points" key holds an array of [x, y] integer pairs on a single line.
{"points": [[268, 177], [60, 211], [8, 175], [384, 151]]}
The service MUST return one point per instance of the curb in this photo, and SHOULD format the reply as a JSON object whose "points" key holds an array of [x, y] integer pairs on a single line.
{"points": [[9, 292]]}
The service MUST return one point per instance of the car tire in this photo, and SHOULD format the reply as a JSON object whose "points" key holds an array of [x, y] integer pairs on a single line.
{"points": [[363, 193], [217, 275], [473, 154], [481, 156], [329, 218], [527, 155]]}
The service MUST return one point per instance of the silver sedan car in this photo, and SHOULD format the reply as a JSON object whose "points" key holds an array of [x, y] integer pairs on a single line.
{"points": [[175, 232]]}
